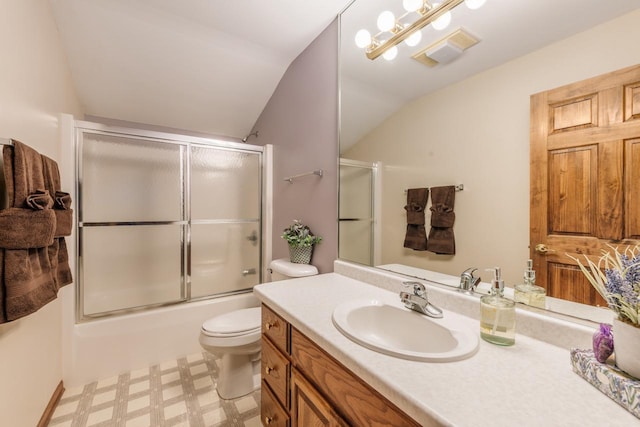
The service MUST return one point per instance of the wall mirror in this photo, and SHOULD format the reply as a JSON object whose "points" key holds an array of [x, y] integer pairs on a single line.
{"points": [[409, 123]]}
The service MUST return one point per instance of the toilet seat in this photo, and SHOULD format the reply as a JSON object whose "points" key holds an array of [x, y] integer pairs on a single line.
{"points": [[234, 324]]}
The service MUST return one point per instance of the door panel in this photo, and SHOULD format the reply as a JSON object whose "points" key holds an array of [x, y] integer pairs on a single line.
{"points": [[632, 193], [574, 114], [585, 177], [572, 183], [632, 101]]}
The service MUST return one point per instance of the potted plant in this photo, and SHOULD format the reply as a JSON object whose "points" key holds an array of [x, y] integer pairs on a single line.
{"points": [[301, 241], [619, 285]]}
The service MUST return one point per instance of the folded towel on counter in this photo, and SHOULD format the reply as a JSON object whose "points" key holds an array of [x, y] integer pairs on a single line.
{"points": [[441, 237], [416, 234]]}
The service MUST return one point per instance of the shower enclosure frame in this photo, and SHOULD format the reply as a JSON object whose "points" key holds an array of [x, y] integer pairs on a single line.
{"points": [[185, 143], [375, 207]]}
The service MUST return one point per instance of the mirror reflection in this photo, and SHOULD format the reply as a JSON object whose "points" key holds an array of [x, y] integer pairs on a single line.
{"points": [[408, 124]]}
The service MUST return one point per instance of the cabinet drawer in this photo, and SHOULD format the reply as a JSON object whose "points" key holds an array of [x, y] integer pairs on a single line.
{"points": [[271, 413], [276, 329], [276, 371]]}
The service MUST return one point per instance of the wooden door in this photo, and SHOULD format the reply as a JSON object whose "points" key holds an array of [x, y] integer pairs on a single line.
{"points": [[308, 407], [585, 177]]}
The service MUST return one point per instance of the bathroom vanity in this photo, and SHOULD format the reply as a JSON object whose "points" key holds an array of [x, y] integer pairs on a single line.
{"points": [[314, 375], [292, 363]]}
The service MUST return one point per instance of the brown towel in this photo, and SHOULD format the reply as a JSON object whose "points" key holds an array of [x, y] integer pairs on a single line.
{"points": [[26, 228], [416, 235], [62, 200], [27, 278], [64, 222], [40, 200], [441, 238]]}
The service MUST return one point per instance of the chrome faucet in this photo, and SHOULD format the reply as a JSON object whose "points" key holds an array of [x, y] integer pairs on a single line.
{"points": [[468, 281], [417, 300]]}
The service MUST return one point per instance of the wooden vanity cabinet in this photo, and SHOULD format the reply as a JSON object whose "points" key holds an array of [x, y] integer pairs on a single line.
{"points": [[308, 407], [304, 386]]}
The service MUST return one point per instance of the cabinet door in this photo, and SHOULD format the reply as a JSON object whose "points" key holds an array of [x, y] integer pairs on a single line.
{"points": [[308, 408]]}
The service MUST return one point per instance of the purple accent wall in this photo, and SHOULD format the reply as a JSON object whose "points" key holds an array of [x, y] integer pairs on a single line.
{"points": [[301, 121]]}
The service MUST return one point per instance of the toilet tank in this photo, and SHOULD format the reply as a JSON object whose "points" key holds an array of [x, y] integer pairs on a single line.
{"points": [[282, 269]]}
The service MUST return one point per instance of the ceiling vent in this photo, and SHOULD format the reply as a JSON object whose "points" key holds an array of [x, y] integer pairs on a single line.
{"points": [[447, 49]]}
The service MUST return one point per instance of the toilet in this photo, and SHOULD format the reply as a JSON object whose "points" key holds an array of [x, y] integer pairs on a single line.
{"points": [[234, 338]]}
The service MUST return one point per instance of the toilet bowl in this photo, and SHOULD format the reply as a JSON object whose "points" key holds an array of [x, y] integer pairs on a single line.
{"points": [[234, 338]]}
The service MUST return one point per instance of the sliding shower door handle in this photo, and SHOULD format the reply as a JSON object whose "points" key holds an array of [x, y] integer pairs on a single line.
{"points": [[253, 238], [249, 271]]}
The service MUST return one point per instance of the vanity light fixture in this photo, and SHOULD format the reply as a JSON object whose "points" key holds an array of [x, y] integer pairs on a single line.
{"points": [[418, 14]]}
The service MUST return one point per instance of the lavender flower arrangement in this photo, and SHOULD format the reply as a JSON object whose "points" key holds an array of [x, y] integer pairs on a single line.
{"points": [[619, 284]]}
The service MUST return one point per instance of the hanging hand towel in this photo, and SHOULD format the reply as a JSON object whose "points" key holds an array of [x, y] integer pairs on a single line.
{"points": [[64, 222], [27, 279], [441, 238], [416, 235]]}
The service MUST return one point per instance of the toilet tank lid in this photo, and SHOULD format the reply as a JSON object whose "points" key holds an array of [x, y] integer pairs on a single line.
{"points": [[290, 269], [243, 320]]}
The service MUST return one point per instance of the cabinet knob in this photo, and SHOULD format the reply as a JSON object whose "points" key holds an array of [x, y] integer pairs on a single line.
{"points": [[269, 325], [268, 369], [267, 420]]}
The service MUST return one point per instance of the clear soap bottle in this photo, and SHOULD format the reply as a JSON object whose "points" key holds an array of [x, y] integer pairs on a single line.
{"points": [[528, 292], [497, 314]]}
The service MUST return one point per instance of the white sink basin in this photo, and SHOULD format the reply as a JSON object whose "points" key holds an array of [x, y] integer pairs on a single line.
{"points": [[397, 331]]}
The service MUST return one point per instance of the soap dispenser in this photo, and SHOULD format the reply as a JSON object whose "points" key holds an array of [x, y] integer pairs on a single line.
{"points": [[497, 314], [529, 293]]}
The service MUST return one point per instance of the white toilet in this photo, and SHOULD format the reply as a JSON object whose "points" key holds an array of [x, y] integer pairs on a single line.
{"points": [[234, 337]]}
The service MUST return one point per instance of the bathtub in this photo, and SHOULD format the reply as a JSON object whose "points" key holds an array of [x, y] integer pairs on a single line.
{"points": [[107, 347]]}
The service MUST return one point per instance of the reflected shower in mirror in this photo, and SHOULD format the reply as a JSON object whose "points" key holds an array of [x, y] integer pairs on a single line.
{"points": [[465, 121]]}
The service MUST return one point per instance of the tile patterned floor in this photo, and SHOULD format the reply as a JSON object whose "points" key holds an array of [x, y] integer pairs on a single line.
{"points": [[175, 393]]}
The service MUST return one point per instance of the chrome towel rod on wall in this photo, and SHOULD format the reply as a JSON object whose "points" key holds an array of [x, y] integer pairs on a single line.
{"points": [[318, 172], [6, 141], [458, 187]]}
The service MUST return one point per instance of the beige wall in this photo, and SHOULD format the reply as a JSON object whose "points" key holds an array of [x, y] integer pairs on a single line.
{"points": [[35, 87], [476, 133]]}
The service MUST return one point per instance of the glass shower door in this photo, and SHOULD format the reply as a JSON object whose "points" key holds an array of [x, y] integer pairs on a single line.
{"points": [[163, 220], [132, 223], [225, 220], [356, 212]]}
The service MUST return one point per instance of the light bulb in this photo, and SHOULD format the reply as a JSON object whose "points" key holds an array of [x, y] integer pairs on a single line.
{"points": [[386, 21], [474, 4], [413, 39], [442, 22], [363, 38], [390, 54], [412, 5]]}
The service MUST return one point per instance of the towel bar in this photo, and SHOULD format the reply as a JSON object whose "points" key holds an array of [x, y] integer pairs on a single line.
{"points": [[318, 172], [6, 141], [459, 187]]}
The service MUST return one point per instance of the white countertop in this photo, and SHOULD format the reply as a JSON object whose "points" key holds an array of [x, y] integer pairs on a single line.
{"points": [[528, 384]]}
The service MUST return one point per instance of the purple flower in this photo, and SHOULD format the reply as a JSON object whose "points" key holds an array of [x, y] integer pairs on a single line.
{"points": [[603, 342]]}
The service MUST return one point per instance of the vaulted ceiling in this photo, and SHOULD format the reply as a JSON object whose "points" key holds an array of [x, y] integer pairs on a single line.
{"points": [[211, 65]]}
